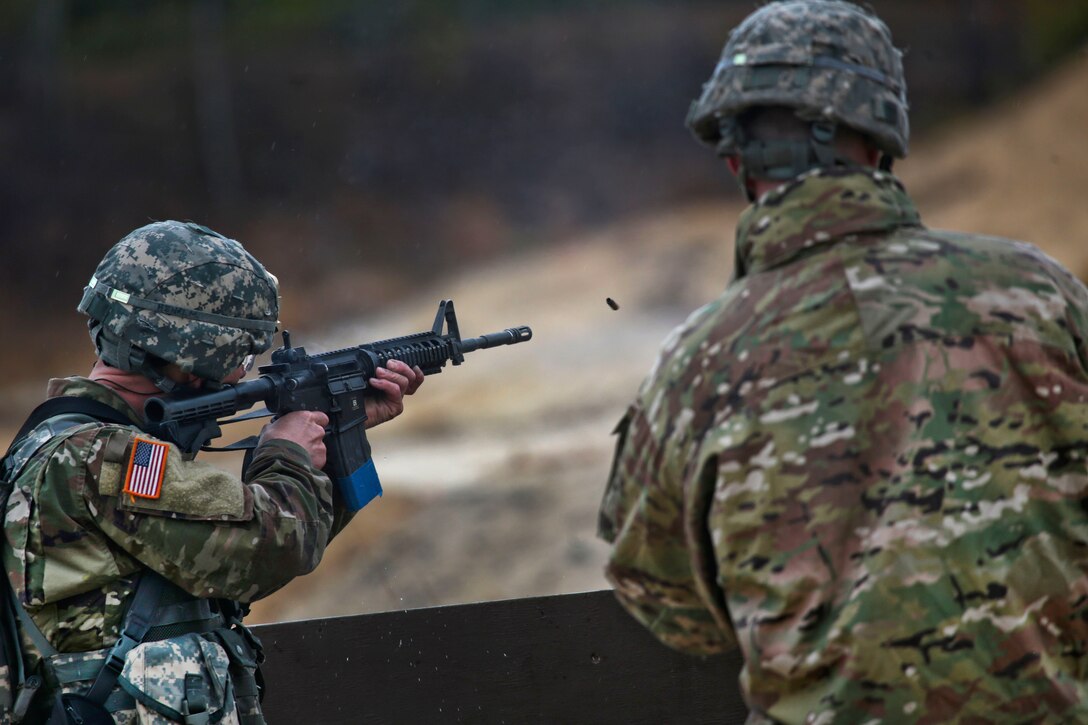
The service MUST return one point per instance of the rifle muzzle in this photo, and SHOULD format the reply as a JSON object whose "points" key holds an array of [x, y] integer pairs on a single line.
{"points": [[509, 336]]}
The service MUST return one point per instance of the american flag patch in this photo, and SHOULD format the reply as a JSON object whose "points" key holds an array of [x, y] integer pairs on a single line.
{"points": [[145, 468]]}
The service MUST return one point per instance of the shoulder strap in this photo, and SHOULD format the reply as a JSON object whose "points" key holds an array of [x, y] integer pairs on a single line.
{"points": [[45, 422], [67, 404], [138, 619]]}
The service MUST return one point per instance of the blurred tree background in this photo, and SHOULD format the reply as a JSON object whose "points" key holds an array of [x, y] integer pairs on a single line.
{"points": [[361, 149], [527, 158]]}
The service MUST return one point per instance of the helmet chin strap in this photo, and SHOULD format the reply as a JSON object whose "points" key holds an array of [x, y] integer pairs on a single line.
{"points": [[123, 355], [742, 181]]}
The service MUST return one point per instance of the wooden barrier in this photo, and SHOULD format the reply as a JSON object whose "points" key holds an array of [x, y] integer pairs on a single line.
{"points": [[575, 658]]}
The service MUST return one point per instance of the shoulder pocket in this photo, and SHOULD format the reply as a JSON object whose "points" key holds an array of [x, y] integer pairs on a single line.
{"points": [[112, 458], [151, 476]]}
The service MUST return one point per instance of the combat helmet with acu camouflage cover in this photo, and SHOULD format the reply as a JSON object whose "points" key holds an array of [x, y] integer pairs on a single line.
{"points": [[181, 293], [831, 61]]}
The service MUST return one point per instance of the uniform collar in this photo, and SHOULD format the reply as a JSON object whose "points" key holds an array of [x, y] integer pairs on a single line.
{"points": [[817, 209], [81, 387]]}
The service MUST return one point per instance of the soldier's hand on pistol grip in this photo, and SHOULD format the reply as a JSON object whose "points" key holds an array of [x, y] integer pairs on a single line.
{"points": [[304, 427]]}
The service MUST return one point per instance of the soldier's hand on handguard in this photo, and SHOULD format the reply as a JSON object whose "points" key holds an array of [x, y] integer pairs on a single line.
{"points": [[392, 383], [305, 427]]}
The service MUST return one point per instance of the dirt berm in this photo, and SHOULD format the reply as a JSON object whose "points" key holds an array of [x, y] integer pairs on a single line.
{"points": [[494, 473]]}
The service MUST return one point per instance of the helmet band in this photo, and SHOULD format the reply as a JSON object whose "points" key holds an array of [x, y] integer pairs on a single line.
{"points": [[97, 287], [740, 60]]}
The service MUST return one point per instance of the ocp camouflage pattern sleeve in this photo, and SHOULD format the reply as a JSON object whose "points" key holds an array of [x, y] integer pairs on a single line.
{"points": [[661, 555], [883, 430], [276, 530]]}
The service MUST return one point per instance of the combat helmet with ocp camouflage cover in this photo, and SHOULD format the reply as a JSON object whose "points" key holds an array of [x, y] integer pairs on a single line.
{"points": [[831, 61], [184, 294]]}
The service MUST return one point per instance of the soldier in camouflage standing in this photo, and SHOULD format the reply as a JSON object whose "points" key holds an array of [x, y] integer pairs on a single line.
{"points": [[864, 464], [100, 512]]}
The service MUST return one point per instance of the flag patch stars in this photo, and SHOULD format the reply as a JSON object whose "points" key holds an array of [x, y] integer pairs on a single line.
{"points": [[146, 466]]}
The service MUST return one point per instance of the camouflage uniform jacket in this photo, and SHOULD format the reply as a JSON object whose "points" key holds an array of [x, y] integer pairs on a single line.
{"points": [[75, 542], [864, 464]]}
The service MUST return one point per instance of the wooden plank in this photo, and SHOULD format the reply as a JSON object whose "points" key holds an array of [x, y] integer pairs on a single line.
{"points": [[569, 658]]}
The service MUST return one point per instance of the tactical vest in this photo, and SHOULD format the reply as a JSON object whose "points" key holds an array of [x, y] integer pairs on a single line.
{"points": [[186, 658]]}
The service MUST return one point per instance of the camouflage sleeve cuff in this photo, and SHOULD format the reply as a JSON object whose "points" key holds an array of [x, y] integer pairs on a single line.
{"points": [[618, 494], [688, 628], [283, 448]]}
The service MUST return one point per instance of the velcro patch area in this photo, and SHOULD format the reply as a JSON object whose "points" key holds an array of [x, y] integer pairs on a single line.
{"points": [[187, 489]]}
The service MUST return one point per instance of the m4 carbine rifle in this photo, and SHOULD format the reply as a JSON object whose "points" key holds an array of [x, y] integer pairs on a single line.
{"points": [[332, 382]]}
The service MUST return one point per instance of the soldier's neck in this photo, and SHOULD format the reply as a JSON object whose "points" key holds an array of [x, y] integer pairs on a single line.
{"points": [[133, 388]]}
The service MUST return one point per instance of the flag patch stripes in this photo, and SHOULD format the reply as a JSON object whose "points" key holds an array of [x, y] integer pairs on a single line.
{"points": [[146, 467]]}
